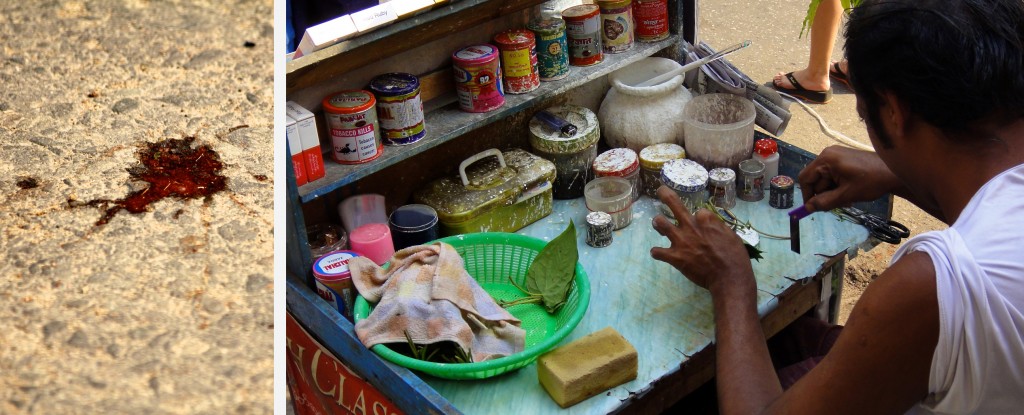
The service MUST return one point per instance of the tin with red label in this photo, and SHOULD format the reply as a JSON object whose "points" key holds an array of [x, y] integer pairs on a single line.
{"points": [[518, 60], [352, 124], [616, 25], [583, 32], [477, 72], [334, 281], [399, 107], [651, 18]]}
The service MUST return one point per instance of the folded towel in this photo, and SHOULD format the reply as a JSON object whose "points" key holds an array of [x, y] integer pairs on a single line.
{"points": [[427, 293]]}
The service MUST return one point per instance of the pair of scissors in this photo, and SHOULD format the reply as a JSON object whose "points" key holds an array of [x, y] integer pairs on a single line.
{"points": [[885, 230]]}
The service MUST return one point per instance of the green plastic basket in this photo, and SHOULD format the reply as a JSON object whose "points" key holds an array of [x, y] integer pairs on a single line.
{"points": [[491, 258]]}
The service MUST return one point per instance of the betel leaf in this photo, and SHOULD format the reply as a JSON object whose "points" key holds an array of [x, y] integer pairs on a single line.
{"points": [[552, 271]]}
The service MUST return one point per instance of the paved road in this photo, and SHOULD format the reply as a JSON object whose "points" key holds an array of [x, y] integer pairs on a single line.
{"points": [[163, 312]]}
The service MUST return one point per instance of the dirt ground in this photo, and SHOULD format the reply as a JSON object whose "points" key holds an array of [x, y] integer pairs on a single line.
{"points": [[773, 27], [169, 311]]}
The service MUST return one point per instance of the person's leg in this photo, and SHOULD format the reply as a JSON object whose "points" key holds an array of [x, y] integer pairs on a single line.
{"points": [[824, 30], [800, 346]]}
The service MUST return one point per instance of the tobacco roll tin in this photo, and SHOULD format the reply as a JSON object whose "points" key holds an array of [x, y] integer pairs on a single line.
{"points": [[573, 155], [494, 191], [552, 48], [399, 108]]}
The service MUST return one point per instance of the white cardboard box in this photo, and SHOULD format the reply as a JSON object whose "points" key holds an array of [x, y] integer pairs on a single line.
{"points": [[295, 150], [374, 17], [325, 34], [305, 122]]}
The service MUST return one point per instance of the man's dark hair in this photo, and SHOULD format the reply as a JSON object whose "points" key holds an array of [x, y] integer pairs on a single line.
{"points": [[954, 63]]}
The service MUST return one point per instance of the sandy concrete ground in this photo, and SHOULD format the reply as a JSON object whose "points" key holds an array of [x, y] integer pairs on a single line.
{"points": [[164, 312], [773, 28]]}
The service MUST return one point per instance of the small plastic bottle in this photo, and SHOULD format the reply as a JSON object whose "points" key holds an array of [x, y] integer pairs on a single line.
{"points": [[766, 151]]}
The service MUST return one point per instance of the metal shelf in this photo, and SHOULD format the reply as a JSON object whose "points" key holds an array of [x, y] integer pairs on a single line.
{"points": [[449, 122]]}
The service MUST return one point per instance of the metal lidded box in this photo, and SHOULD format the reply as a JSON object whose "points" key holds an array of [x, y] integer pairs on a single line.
{"points": [[494, 191]]}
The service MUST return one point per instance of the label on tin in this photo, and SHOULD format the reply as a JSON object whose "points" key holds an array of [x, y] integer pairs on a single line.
{"points": [[552, 56], [478, 85], [617, 29], [334, 265], [584, 38], [342, 302], [401, 118], [355, 137], [651, 18]]}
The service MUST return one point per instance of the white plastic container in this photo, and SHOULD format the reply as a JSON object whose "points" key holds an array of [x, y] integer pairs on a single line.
{"points": [[766, 151], [611, 195], [719, 130]]}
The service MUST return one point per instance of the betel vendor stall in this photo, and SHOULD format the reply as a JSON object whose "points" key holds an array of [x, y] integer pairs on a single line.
{"points": [[470, 199]]}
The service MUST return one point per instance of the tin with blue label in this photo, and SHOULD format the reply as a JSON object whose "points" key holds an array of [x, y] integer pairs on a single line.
{"points": [[552, 48], [399, 108], [334, 281]]}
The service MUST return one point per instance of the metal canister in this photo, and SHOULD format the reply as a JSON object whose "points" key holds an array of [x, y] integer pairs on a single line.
{"points": [[518, 60], [722, 187], [751, 177], [616, 25], [352, 124], [780, 192], [690, 181], [651, 18], [583, 32], [399, 108], [477, 73], [552, 48], [652, 158], [572, 155]]}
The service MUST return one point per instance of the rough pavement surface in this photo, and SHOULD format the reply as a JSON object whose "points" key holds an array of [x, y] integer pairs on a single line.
{"points": [[165, 312]]}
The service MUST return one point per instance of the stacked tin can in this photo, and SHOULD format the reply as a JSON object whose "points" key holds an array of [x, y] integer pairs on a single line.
{"points": [[572, 155], [651, 20], [616, 25], [518, 60], [478, 83], [620, 162], [583, 32], [352, 124], [652, 158], [689, 179], [399, 108], [552, 48]]}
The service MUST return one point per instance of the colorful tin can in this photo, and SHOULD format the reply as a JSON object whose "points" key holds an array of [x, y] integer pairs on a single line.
{"points": [[518, 60], [399, 108], [477, 73], [334, 281], [651, 18], [780, 194], [616, 25], [552, 48], [352, 123], [583, 33]]}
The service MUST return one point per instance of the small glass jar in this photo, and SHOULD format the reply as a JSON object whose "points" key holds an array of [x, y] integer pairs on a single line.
{"points": [[652, 158], [620, 162], [689, 179], [780, 194], [751, 179], [572, 155], [722, 187], [611, 195]]}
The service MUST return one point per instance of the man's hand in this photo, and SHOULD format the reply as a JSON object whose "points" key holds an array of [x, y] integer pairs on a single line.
{"points": [[840, 176], [703, 248]]}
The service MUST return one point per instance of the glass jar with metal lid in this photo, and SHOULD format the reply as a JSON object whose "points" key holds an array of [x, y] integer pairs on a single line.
{"points": [[689, 179], [722, 187], [573, 154], [652, 158], [620, 162]]}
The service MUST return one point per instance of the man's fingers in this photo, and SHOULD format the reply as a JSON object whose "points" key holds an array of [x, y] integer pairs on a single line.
{"points": [[660, 254], [671, 199], [661, 224]]}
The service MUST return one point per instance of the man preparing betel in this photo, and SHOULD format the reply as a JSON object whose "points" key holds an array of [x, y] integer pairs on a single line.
{"points": [[940, 87]]}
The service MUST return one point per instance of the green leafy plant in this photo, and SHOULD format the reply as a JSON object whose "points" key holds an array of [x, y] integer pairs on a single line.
{"points": [[812, 9], [730, 219], [551, 274]]}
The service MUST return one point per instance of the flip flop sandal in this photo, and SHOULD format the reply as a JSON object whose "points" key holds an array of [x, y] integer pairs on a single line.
{"points": [[814, 97], [838, 74]]}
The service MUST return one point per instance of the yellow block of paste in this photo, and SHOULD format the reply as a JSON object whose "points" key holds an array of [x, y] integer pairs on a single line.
{"points": [[586, 367]]}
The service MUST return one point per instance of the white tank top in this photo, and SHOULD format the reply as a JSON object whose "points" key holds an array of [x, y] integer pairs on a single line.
{"points": [[978, 365]]}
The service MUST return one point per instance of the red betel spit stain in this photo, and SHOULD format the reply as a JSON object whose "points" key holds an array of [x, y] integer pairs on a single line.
{"points": [[173, 168]]}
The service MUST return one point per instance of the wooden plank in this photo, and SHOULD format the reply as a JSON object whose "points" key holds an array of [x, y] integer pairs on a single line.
{"points": [[337, 334], [345, 56]]}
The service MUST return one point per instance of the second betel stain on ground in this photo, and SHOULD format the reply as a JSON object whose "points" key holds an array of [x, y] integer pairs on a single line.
{"points": [[173, 168]]}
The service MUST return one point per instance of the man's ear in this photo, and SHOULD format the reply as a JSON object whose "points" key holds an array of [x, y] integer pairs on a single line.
{"points": [[895, 114]]}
